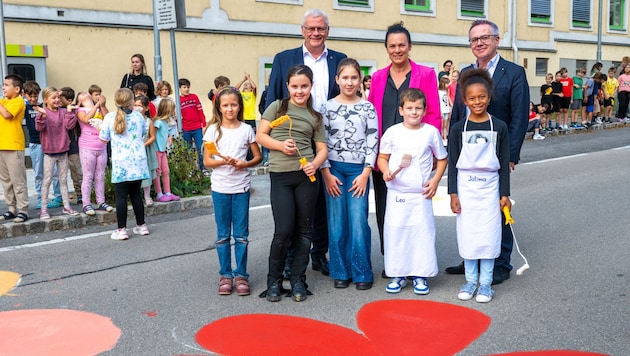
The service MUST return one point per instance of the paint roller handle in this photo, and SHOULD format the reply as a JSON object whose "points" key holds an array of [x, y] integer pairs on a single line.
{"points": [[302, 164], [508, 216]]}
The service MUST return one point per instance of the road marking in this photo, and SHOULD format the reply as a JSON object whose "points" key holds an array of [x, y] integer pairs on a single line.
{"points": [[55, 241], [556, 159]]}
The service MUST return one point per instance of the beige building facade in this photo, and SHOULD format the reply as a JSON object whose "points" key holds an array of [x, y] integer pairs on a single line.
{"points": [[91, 42]]}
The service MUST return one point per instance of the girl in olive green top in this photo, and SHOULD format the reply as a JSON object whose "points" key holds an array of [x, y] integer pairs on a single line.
{"points": [[293, 193]]}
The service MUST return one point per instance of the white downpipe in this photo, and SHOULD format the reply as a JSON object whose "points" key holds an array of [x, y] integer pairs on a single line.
{"points": [[512, 22]]}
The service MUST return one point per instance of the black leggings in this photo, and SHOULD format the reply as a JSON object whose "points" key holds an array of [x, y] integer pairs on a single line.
{"points": [[133, 190]]}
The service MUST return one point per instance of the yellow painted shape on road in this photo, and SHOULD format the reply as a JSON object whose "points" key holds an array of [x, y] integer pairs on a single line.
{"points": [[8, 281]]}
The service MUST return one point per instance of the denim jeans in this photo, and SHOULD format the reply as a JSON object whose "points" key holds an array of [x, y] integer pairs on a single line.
{"points": [[197, 136], [479, 270], [37, 159], [348, 229], [231, 213], [293, 198]]}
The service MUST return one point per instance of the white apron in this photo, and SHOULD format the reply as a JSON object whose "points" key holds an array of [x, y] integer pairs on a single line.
{"points": [[409, 227], [479, 223]]}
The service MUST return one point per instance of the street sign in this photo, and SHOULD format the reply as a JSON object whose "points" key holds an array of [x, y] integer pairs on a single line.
{"points": [[166, 14]]}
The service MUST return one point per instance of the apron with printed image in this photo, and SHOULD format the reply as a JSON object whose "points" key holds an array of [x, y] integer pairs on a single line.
{"points": [[479, 223], [409, 227]]}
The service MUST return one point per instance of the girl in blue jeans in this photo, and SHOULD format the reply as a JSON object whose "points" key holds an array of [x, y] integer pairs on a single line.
{"points": [[352, 129], [230, 186]]}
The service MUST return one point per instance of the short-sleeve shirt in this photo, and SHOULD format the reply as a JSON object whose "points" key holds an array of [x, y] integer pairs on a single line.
{"points": [[306, 129], [227, 179], [11, 133], [161, 134], [129, 157], [249, 105]]}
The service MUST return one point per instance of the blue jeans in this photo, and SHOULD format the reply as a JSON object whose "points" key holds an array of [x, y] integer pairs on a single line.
{"points": [[37, 159], [197, 136], [479, 270], [231, 213], [349, 233]]}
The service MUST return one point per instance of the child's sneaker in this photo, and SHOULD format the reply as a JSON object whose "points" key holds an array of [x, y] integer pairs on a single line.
{"points": [[225, 286], [104, 206], [70, 211], [485, 294], [467, 291], [164, 198], [539, 137], [396, 284], [88, 210], [43, 214], [120, 234], [172, 196], [141, 230], [39, 204], [242, 286], [420, 286], [55, 203]]}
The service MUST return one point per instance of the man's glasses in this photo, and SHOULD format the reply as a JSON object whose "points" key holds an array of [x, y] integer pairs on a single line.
{"points": [[315, 29], [483, 39]]}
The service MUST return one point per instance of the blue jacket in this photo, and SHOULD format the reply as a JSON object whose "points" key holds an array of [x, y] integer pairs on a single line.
{"points": [[284, 60], [509, 103]]}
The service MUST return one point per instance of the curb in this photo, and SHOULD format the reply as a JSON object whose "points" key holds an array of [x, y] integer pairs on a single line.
{"points": [[595, 127], [65, 222]]}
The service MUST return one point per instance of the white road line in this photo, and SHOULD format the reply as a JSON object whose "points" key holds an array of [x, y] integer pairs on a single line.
{"points": [[55, 241], [556, 159]]}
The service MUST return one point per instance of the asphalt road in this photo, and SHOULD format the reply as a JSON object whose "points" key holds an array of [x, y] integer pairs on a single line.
{"points": [[571, 203]]}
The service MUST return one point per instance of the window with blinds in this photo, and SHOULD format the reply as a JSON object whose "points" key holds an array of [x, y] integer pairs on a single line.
{"points": [[354, 2], [581, 13], [473, 8], [418, 5], [617, 15], [540, 11]]}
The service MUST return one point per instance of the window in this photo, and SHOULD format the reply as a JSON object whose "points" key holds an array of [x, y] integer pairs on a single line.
{"points": [[541, 66], [617, 15], [540, 11], [581, 63], [418, 5], [291, 2], [581, 13], [26, 71], [354, 5], [472, 8]]}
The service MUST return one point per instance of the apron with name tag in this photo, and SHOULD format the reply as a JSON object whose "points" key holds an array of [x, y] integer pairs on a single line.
{"points": [[479, 223]]}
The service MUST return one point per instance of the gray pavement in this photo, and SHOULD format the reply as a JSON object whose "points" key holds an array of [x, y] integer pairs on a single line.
{"points": [[570, 204]]}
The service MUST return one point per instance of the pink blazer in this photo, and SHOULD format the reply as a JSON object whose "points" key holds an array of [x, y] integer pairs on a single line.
{"points": [[422, 78]]}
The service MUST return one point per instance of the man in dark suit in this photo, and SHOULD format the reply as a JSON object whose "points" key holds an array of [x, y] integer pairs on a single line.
{"points": [[510, 103], [323, 62]]}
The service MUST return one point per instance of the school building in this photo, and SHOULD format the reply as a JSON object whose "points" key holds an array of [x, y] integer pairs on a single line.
{"points": [[90, 42]]}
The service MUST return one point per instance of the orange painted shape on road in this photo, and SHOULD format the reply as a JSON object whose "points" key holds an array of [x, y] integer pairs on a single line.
{"points": [[56, 332]]}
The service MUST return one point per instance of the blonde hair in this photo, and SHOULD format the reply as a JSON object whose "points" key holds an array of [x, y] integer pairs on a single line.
{"points": [[124, 100], [47, 92], [165, 109]]}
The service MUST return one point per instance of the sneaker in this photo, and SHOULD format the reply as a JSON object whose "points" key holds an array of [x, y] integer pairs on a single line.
{"points": [[225, 286], [120, 234], [539, 137], [485, 294], [598, 120], [396, 284], [43, 214], [467, 291], [79, 199], [298, 292], [172, 197], [106, 207], [55, 203], [242, 286], [566, 127], [420, 286], [88, 210], [39, 204], [141, 230], [70, 211], [164, 199]]}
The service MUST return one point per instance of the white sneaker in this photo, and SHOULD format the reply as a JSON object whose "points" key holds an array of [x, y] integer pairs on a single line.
{"points": [[539, 137], [120, 234], [420, 286], [566, 127], [598, 120], [141, 230], [396, 284]]}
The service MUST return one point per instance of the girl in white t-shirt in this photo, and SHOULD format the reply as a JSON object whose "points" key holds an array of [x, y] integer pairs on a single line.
{"points": [[230, 185]]}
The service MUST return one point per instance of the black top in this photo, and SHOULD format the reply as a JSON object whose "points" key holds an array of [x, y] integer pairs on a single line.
{"points": [[503, 151], [30, 114], [129, 80], [391, 102]]}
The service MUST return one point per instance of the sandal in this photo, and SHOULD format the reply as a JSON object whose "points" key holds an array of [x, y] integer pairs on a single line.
{"points": [[20, 218], [7, 216]]}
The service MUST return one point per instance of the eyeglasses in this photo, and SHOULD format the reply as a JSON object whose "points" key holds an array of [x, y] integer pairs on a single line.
{"points": [[483, 39], [315, 29]]}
